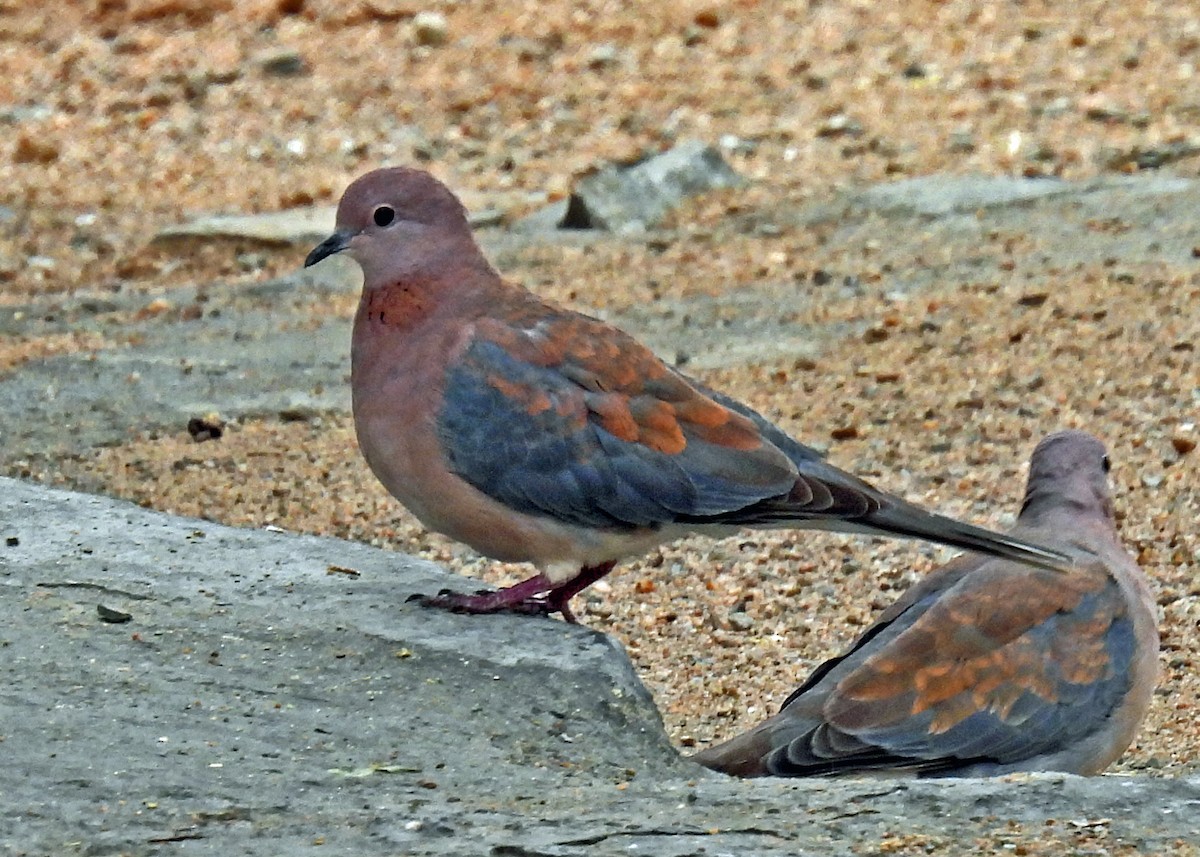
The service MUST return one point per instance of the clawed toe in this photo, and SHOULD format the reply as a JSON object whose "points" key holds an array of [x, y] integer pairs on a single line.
{"points": [[441, 593], [446, 599], [484, 601]]}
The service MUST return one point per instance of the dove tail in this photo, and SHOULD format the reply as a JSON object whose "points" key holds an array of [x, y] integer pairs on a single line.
{"points": [[744, 755], [908, 521]]}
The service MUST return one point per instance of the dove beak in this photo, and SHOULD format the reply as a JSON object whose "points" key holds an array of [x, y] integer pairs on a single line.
{"points": [[335, 243]]}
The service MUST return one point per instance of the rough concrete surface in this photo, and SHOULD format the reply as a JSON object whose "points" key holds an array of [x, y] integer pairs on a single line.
{"points": [[264, 693]]}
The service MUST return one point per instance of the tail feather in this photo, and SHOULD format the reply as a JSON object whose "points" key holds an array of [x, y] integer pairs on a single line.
{"points": [[788, 746], [894, 517], [742, 756], [909, 521]]}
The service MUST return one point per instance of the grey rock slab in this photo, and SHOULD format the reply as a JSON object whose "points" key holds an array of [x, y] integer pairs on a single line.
{"points": [[1144, 184], [293, 226], [255, 352], [1124, 221], [940, 194], [247, 361], [1035, 202], [632, 199], [244, 358], [274, 694], [74, 402], [258, 679]]}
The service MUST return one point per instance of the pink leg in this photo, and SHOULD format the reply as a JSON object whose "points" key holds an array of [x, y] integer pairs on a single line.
{"points": [[535, 596], [588, 575]]}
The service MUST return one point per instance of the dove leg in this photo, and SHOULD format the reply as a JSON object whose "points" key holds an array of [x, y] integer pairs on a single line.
{"points": [[559, 597]]}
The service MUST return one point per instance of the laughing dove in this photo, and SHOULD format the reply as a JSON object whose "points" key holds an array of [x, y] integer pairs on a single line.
{"points": [[537, 434], [989, 665]]}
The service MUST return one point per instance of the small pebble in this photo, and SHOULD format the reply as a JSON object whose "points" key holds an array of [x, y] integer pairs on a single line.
{"points": [[603, 56], [34, 149], [740, 622], [283, 63], [207, 427], [840, 125], [961, 143], [431, 29]]}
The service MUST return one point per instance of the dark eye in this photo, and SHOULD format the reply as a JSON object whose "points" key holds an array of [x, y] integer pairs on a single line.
{"points": [[384, 215], [1107, 465]]}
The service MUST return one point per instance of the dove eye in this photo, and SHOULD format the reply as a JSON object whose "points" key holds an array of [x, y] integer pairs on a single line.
{"points": [[1106, 464], [384, 215]]}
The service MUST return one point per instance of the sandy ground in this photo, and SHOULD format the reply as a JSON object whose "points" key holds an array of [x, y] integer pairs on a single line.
{"points": [[121, 117]]}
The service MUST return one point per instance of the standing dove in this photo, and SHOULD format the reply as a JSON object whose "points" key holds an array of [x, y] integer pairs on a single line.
{"points": [[537, 434], [989, 665]]}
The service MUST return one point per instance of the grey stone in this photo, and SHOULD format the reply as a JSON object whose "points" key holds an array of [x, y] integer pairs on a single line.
{"points": [[1147, 185], [239, 360], [244, 360], [263, 675], [1155, 209], [603, 56], [104, 402], [840, 125], [630, 199]]}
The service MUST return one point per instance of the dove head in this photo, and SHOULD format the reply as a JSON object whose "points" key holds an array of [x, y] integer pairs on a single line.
{"points": [[400, 224], [1068, 472]]}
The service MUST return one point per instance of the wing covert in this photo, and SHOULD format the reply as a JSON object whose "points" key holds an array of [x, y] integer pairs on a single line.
{"points": [[591, 441]]}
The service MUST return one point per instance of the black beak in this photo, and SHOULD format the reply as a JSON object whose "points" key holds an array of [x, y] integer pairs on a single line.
{"points": [[335, 243]]}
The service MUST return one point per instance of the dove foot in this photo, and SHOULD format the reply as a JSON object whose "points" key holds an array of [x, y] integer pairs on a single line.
{"points": [[536, 596], [485, 602]]}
